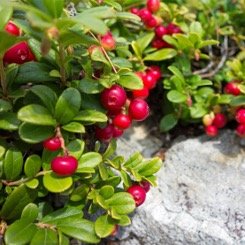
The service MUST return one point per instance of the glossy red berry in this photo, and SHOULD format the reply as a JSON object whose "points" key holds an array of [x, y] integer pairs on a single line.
{"points": [[155, 71], [113, 98], [145, 14], [134, 11], [113, 113], [153, 5], [232, 88], [138, 193], [52, 144], [240, 130], [220, 120], [211, 130], [158, 43], [240, 116], [11, 28], [138, 110], [141, 93], [160, 31], [145, 185], [104, 134], [149, 80], [19, 54], [151, 23], [108, 42], [64, 165], [117, 132], [172, 29], [122, 121]]}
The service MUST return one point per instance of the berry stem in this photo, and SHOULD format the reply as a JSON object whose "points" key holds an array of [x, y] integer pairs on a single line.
{"points": [[62, 64], [59, 135], [3, 78]]}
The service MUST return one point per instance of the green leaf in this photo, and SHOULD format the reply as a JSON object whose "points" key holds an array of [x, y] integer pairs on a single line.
{"points": [[184, 42], [9, 121], [5, 106], [67, 105], [106, 191], [126, 178], [101, 12], [32, 165], [74, 127], [63, 215], [124, 220], [122, 202], [32, 184], [196, 27], [104, 226], [127, 16], [45, 237], [177, 73], [176, 97], [198, 111], [150, 167], [80, 229], [76, 148], [133, 160], [54, 7], [36, 114], [91, 116], [7, 41], [110, 149], [30, 212], [47, 96], [144, 41], [90, 86], [34, 133], [238, 101], [16, 201], [168, 122], [89, 160], [13, 163], [55, 183], [163, 54], [130, 80], [207, 43], [6, 10], [20, 232]]}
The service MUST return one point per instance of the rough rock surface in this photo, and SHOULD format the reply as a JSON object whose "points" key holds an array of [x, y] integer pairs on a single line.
{"points": [[200, 198]]}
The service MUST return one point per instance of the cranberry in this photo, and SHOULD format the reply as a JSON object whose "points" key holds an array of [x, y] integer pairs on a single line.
{"points": [[240, 116], [113, 113], [104, 134], [138, 194], [220, 120], [108, 42], [240, 130], [158, 43], [211, 130], [64, 165], [145, 14], [160, 31], [138, 109], [153, 5], [155, 71], [11, 28], [117, 132], [19, 54], [141, 93], [149, 80], [122, 121], [172, 29], [145, 185], [151, 23], [113, 98], [52, 144], [232, 88], [208, 119], [134, 11]]}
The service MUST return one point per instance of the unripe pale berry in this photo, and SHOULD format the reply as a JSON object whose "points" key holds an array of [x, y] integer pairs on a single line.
{"points": [[113, 98], [138, 110], [208, 119], [108, 42], [211, 130], [64, 165], [52, 144], [122, 121], [153, 5], [220, 120], [232, 88], [138, 193], [240, 116]]}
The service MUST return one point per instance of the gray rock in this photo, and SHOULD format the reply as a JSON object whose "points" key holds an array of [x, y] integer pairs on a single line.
{"points": [[200, 198]]}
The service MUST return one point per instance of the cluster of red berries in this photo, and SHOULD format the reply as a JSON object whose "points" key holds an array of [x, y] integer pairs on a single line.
{"points": [[115, 101], [62, 165], [240, 118], [155, 22], [20, 52]]}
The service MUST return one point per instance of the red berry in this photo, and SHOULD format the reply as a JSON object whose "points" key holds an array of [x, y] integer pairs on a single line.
{"points": [[138, 110], [172, 29], [145, 14], [108, 42], [160, 31], [64, 165], [155, 71], [240, 130], [52, 144], [134, 11], [113, 98], [240, 116], [149, 80], [158, 43], [122, 121], [112, 114], [117, 132], [145, 185], [151, 23], [104, 134], [138, 193], [141, 93], [220, 120], [19, 54], [211, 130], [12, 29], [153, 5], [232, 88]]}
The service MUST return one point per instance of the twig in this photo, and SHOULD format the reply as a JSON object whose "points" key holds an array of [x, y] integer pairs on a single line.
{"points": [[59, 135], [3, 78]]}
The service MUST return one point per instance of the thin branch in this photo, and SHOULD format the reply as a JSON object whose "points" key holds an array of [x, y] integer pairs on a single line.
{"points": [[3, 78]]}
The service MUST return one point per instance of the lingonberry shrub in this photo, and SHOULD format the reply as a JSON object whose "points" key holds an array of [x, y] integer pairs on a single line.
{"points": [[66, 86]]}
